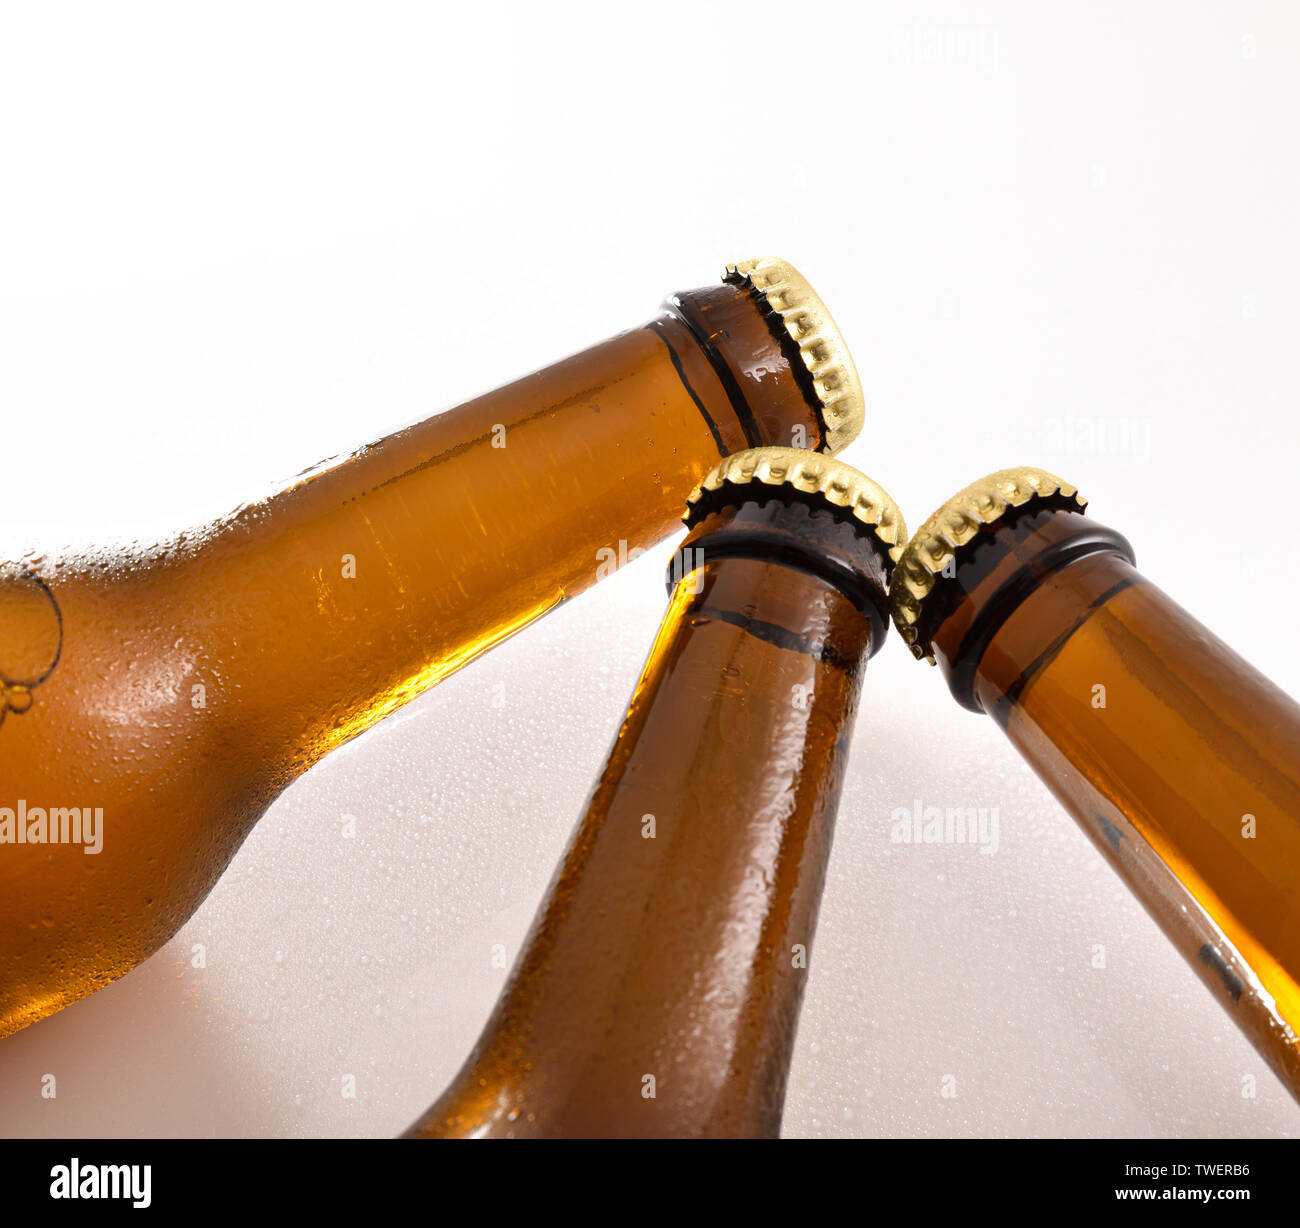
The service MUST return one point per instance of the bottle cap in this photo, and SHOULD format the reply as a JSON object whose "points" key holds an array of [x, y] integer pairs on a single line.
{"points": [[812, 474], [942, 538], [810, 326]]}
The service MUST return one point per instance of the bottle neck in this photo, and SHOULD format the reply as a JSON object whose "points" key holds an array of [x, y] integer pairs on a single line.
{"points": [[370, 580], [751, 360], [658, 991], [971, 609], [783, 525]]}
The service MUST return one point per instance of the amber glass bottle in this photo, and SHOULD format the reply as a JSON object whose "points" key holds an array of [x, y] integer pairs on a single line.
{"points": [[1180, 760], [156, 701], [658, 991]]}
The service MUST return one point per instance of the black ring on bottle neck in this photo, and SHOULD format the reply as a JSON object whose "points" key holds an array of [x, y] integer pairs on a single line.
{"points": [[679, 307]]}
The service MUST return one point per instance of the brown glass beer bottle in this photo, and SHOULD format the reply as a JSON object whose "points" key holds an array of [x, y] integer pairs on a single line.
{"points": [[658, 991], [1180, 761], [156, 701]]}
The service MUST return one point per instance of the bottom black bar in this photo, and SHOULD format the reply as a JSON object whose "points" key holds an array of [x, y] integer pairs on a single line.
{"points": [[351, 1178]]}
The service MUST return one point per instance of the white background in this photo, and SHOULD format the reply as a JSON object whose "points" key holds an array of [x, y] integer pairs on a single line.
{"points": [[233, 241]]}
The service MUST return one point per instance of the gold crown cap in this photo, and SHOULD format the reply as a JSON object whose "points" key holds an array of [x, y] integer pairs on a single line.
{"points": [[820, 343], [813, 473], [953, 526]]}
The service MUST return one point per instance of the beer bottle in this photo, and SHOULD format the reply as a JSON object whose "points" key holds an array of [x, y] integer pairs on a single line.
{"points": [[1179, 760], [156, 701], [658, 991]]}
